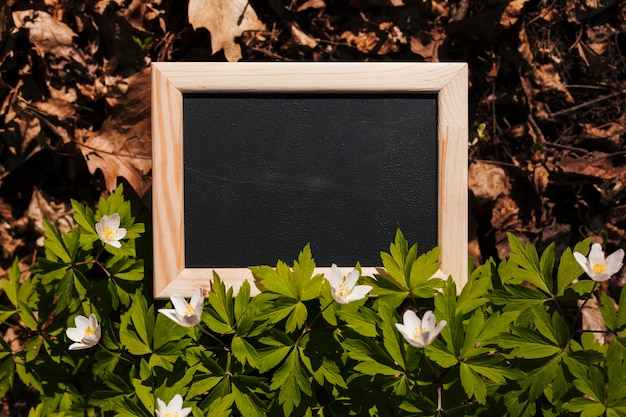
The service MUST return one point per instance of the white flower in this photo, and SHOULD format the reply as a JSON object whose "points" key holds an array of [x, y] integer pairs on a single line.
{"points": [[185, 314], [598, 268], [344, 289], [173, 409], [86, 334], [420, 333], [109, 230]]}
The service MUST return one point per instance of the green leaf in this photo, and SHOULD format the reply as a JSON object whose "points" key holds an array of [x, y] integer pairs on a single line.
{"points": [[279, 280], [620, 320], [392, 340], [607, 309], [475, 292], [221, 302], [473, 384], [54, 244], [297, 317], [11, 286], [440, 354], [130, 339], [271, 357], [248, 404], [587, 407], [291, 381], [524, 265], [569, 270], [27, 316], [245, 352], [421, 285]]}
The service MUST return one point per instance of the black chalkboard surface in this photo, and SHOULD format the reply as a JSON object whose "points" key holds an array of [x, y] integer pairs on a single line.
{"points": [[265, 174]]}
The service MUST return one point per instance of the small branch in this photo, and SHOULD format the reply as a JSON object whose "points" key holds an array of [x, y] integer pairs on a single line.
{"points": [[586, 104]]}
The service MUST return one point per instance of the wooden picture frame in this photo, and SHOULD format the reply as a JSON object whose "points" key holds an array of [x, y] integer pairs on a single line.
{"points": [[449, 81]]}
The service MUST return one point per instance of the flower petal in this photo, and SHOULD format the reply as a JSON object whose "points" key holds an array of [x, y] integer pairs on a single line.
{"points": [[352, 278], [81, 322], [583, 262], [614, 262], [197, 297], [359, 292], [410, 320], [121, 232], [176, 403], [596, 256], [78, 346], [335, 276], [74, 334], [172, 315], [179, 303]]}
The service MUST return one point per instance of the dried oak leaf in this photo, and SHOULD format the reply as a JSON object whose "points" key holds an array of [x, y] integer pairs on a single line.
{"points": [[597, 165], [487, 182], [49, 36], [122, 147], [225, 20]]}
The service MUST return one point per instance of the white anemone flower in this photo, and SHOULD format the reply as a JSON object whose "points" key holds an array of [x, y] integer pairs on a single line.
{"points": [[597, 267], [345, 290], [86, 334], [173, 409], [420, 333], [109, 230], [185, 314]]}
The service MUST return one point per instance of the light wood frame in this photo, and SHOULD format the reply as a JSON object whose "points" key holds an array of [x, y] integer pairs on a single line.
{"points": [[170, 80]]}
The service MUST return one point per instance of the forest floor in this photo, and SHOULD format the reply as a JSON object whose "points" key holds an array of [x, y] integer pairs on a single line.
{"points": [[547, 160]]}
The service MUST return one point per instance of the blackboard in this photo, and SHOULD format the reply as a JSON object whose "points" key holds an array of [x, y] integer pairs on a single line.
{"points": [[252, 161], [265, 174]]}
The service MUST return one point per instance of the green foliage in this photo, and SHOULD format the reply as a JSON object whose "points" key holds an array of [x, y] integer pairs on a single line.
{"points": [[512, 343]]}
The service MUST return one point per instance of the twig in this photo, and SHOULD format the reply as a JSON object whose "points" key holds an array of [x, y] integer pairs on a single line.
{"points": [[586, 104]]}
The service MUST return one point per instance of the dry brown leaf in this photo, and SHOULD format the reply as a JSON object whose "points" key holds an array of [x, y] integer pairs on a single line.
{"points": [[364, 41], [505, 214], [48, 35], [225, 20], [549, 80], [301, 37], [487, 182], [427, 43], [511, 14], [592, 319], [42, 206], [122, 147], [311, 4], [596, 165]]}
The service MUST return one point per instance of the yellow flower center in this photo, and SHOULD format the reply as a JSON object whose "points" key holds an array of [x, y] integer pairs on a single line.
{"points": [[417, 332], [189, 310], [89, 331], [599, 268], [171, 414], [343, 290], [108, 233]]}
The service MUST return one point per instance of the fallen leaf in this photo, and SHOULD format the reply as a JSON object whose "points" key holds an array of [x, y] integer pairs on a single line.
{"points": [[487, 182], [122, 147], [302, 38], [226, 20]]}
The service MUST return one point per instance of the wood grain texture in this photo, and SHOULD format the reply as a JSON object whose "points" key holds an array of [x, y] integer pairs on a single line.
{"points": [[170, 80]]}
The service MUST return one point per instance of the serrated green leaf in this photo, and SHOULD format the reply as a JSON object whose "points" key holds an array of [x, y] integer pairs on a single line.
{"points": [[242, 300], [247, 403], [244, 351], [271, 357], [587, 407], [291, 381], [620, 321], [473, 384], [392, 340], [569, 270], [296, 318], [439, 353], [54, 245], [27, 316], [607, 309], [11, 286]]}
